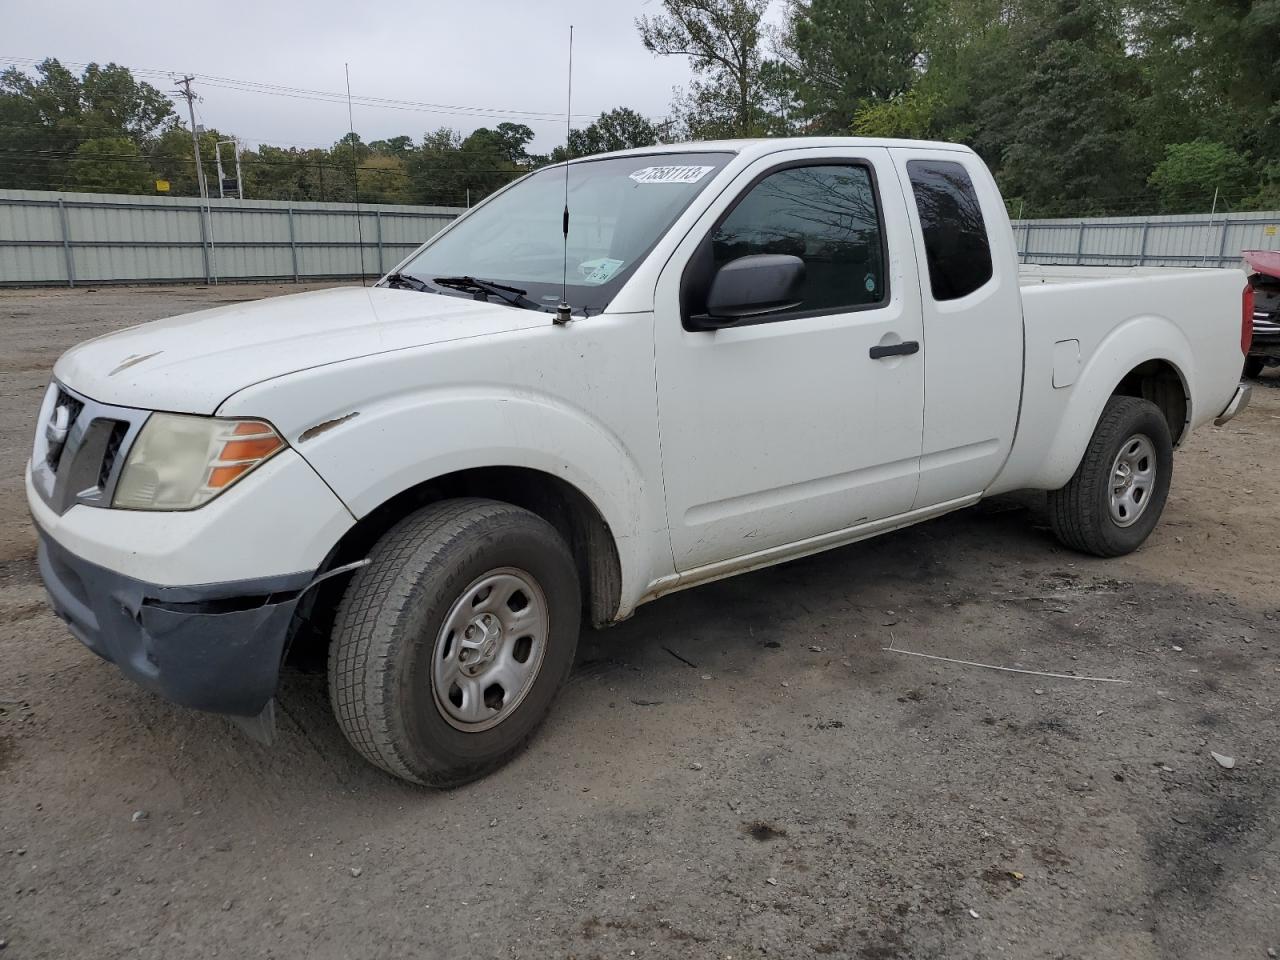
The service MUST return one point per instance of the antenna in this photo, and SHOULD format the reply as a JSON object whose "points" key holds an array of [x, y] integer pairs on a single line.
{"points": [[355, 173], [563, 310]]}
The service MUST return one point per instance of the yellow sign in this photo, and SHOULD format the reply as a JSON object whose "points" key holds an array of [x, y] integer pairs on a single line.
{"points": [[1269, 230], [162, 186]]}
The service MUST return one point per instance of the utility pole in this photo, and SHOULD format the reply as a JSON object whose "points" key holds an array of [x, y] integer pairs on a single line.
{"points": [[189, 95], [211, 259]]}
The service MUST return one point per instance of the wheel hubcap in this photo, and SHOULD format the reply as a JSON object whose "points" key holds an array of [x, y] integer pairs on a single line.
{"points": [[1133, 477], [489, 649]]}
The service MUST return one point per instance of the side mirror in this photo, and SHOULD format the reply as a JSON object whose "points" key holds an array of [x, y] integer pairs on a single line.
{"points": [[751, 286]]}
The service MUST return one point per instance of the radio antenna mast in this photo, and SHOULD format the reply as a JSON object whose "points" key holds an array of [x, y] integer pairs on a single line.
{"points": [[563, 310], [355, 174]]}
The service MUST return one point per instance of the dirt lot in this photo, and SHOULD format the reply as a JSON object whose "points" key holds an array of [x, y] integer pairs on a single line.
{"points": [[784, 787]]}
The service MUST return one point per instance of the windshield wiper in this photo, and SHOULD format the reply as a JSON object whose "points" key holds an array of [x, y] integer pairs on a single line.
{"points": [[408, 280], [512, 295]]}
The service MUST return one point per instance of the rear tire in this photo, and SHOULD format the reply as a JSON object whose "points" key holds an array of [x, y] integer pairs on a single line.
{"points": [[1114, 500], [1253, 367], [449, 648]]}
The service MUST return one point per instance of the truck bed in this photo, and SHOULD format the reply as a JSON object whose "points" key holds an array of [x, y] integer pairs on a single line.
{"points": [[1033, 274], [1085, 327]]}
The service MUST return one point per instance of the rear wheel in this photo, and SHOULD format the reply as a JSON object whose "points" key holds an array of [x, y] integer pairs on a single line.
{"points": [[1114, 500], [450, 646]]}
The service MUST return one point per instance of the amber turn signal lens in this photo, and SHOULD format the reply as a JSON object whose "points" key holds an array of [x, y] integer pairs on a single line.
{"points": [[219, 477], [255, 449], [253, 442]]}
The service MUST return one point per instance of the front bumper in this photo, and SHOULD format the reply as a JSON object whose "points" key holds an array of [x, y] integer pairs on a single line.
{"points": [[1239, 400], [214, 647]]}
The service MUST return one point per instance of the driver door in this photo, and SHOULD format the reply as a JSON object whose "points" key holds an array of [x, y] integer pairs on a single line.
{"points": [[783, 429]]}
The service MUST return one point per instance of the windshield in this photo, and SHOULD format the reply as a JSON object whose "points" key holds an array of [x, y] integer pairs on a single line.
{"points": [[618, 209]]}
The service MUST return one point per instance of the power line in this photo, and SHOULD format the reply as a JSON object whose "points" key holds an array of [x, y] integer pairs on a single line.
{"points": [[302, 163], [329, 96]]}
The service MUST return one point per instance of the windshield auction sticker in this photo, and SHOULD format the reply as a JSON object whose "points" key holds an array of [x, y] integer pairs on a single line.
{"points": [[670, 174], [598, 271]]}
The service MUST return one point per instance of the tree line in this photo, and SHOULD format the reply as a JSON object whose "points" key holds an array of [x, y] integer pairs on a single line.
{"points": [[106, 131], [1080, 107]]}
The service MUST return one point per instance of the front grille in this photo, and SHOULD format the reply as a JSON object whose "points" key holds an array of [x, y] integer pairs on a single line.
{"points": [[74, 407], [78, 449], [118, 429]]}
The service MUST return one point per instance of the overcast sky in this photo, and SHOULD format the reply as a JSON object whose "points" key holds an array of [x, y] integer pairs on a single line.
{"points": [[502, 55]]}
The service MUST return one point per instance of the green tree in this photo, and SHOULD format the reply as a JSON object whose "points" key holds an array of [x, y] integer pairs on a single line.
{"points": [[911, 115], [435, 169], [1060, 129], [110, 165], [170, 158], [1194, 175], [113, 102], [384, 179], [844, 55], [968, 56], [618, 129], [46, 118], [1268, 195], [400, 146], [1218, 63], [722, 39]]}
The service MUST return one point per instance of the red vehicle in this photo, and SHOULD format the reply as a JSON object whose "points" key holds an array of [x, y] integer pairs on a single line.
{"points": [[1265, 280]]}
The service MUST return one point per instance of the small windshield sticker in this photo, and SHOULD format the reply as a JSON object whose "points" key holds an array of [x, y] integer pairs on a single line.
{"points": [[684, 174], [598, 271], [871, 283]]}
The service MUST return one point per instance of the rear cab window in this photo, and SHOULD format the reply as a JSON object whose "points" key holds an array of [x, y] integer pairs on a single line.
{"points": [[955, 234]]}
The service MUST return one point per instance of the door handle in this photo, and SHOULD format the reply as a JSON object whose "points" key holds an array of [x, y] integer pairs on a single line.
{"points": [[904, 349]]}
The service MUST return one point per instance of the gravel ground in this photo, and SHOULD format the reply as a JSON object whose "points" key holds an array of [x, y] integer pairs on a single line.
{"points": [[741, 770]]}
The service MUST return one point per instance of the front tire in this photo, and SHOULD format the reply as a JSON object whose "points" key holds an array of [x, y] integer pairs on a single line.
{"points": [[1253, 367], [1114, 500], [449, 648]]}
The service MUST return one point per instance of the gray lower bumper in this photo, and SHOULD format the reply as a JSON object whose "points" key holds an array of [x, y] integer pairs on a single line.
{"points": [[1239, 400], [214, 647]]}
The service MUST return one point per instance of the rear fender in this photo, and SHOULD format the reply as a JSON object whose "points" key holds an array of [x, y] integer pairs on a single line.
{"points": [[1134, 342]]}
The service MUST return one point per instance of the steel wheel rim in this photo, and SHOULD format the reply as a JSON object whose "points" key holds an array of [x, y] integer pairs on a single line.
{"points": [[1133, 480], [489, 649]]}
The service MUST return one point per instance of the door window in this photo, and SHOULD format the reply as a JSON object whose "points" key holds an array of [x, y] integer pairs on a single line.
{"points": [[955, 235], [828, 216]]}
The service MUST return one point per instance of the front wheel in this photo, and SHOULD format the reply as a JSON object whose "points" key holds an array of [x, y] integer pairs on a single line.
{"points": [[1114, 500], [1253, 367], [450, 646]]}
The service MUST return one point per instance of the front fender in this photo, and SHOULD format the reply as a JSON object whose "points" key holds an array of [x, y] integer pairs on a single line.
{"points": [[381, 448], [1134, 342]]}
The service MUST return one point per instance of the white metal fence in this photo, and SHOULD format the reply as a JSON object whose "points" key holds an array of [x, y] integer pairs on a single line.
{"points": [[78, 238], [81, 238], [1197, 240]]}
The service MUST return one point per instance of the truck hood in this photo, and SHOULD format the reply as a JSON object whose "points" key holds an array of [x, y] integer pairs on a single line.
{"points": [[193, 362]]}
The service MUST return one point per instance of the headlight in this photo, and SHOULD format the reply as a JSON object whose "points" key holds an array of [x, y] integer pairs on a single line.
{"points": [[180, 462]]}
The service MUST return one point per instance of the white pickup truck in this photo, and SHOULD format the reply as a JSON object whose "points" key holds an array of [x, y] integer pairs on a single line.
{"points": [[765, 349]]}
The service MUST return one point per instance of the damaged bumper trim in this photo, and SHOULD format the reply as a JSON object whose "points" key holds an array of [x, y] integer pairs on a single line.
{"points": [[215, 647]]}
